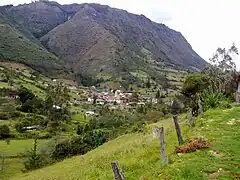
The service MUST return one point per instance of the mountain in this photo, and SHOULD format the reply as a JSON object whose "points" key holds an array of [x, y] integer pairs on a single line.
{"points": [[93, 38]]}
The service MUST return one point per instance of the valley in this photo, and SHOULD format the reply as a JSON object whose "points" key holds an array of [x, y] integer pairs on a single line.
{"points": [[85, 85]]}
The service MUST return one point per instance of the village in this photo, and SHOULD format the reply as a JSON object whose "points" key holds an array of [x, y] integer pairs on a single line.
{"points": [[116, 99]]}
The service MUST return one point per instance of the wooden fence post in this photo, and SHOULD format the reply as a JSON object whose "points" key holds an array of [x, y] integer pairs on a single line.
{"points": [[178, 130], [163, 147], [175, 109], [118, 175], [191, 118]]}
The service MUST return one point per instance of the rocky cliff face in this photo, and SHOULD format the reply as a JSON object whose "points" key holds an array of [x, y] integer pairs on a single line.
{"points": [[96, 38]]}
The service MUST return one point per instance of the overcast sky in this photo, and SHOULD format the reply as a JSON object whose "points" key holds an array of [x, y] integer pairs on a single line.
{"points": [[206, 24]]}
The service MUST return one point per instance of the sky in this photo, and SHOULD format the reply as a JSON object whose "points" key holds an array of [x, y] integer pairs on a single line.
{"points": [[206, 24]]}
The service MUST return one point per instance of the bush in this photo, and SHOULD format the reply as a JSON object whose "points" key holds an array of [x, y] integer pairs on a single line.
{"points": [[213, 100], [34, 105], [19, 127], [80, 129], [25, 94], [15, 114], [4, 131], [165, 109], [60, 149]]}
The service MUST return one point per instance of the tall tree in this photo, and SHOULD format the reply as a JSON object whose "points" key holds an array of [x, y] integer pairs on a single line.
{"points": [[57, 106], [222, 69]]}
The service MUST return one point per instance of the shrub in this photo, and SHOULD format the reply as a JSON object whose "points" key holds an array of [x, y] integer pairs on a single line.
{"points": [[165, 109], [76, 145], [34, 105], [25, 94], [4, 131], [61, 150], [15, 114], [80, 129], [213, 100], [19, 127]]}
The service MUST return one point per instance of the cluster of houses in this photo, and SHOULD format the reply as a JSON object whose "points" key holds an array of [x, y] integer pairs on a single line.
{"points": [[119, 97]]}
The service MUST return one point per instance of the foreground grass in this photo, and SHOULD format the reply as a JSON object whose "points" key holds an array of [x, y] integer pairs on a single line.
{"points": [[138, 154]]}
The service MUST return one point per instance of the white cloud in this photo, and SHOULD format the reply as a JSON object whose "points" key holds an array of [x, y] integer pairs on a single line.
{"points": [[206, 24]]}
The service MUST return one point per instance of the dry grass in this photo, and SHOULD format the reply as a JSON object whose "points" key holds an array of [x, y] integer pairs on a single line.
{"points": [[193, 145]]}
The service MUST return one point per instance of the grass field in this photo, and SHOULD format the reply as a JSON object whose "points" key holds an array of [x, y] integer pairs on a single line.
{"points": [[14, 166], [80, 118], [15, 147], [138, 154]]}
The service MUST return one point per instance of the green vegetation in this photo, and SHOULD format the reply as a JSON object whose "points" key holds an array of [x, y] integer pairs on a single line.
{"points": [[138, 154], [17, 146], [54, 120], [4, 131]]}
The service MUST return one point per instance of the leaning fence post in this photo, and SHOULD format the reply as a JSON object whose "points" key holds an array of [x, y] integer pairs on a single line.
{"points": [[178, 130], [118, 175], [163, 147], [175, 109]]}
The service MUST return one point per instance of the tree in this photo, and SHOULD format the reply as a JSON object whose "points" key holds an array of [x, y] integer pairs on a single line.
{"points": [[80, 130], [193, 87], [4, 131], [222, 69], [25, 94], [34, 105], [33, 160], [194, 84], [57, 106]]}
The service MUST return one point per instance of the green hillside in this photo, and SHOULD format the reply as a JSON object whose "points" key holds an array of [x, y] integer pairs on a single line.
{"points": [[15, 46], [139, 157]]}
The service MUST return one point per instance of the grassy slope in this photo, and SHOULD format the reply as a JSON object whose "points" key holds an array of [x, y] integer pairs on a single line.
{"points": [[138, 154]]}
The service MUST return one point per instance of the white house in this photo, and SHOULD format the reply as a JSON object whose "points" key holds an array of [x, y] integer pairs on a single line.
{"points": [[90, 113], [56, 107]]}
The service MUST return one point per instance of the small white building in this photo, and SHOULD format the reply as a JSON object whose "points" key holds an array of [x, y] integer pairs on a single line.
{"points": [[90, 113], [56, 107], [90, 99], [141, 103]]}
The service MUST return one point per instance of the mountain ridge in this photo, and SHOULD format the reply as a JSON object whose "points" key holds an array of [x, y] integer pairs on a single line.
{"points": [[94, 38]]}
